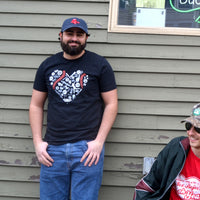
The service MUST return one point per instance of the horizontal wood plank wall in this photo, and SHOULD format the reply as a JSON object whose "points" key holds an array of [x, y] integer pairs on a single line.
{"points": [[157, 78]]}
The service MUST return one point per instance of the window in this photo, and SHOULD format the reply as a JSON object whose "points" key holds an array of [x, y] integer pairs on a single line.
{"points": [[155, 16]]}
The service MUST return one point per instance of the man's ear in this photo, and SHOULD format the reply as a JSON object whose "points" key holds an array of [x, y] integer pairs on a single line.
{"points": [[60, 35]]}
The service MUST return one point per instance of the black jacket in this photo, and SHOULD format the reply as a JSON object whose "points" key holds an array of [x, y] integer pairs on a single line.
{"points": [[156, 185]]}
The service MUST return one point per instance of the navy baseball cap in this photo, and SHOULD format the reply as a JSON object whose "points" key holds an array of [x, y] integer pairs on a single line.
{"points": [[74, 22]]}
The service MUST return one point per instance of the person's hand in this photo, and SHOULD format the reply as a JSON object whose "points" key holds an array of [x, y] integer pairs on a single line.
{"points": [[42, 155], [93, 153]]}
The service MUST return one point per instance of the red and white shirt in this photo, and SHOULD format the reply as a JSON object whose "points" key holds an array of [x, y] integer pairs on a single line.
{"points": [[187, 184]]}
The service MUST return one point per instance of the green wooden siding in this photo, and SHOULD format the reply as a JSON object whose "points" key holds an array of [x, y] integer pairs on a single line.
{"points": [[157, 77]]}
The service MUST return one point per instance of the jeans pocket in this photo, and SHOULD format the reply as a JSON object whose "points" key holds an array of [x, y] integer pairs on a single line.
{"points": [[50, 149], [84, 146]]}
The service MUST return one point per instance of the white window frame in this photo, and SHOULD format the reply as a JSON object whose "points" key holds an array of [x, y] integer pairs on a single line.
{"points": [[114, 27]]}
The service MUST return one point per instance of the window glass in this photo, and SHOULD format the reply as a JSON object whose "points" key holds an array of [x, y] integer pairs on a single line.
{"points": [[159, 13]]}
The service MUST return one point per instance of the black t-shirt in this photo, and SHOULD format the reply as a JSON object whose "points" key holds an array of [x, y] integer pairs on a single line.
{"points": [[74, 87]]}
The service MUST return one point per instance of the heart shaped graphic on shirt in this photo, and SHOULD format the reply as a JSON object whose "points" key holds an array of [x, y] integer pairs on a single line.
{"points": [[68, 86]]}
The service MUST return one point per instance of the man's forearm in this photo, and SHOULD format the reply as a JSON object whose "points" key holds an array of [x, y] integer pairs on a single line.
{"points": [[109, 115], [36, 122]]}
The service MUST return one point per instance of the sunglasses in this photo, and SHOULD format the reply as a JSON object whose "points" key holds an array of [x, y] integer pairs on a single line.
{"points": [[188, 126]]}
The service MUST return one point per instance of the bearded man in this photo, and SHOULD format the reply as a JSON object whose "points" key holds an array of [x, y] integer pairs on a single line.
{"points": [[82, 106]]}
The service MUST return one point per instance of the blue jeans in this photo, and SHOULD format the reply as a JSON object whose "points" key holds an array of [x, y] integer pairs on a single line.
{"points": [[68, 176]]}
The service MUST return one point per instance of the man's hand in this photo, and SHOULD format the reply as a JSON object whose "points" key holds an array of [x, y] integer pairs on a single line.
{"points": [[42, 155], [93, 153]]}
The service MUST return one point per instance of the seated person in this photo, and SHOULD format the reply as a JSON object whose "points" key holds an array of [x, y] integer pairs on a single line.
{"points": [[175, 174]]}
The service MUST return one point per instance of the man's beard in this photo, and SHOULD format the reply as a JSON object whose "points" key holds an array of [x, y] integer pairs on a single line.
{"points": [[72, 51]]}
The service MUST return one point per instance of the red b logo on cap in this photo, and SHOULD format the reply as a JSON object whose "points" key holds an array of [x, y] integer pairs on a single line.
{"points": [[74, 21]]}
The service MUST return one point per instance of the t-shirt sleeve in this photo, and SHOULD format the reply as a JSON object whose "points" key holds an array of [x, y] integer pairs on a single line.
{"points": [[39, 82], [107, 79]]}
